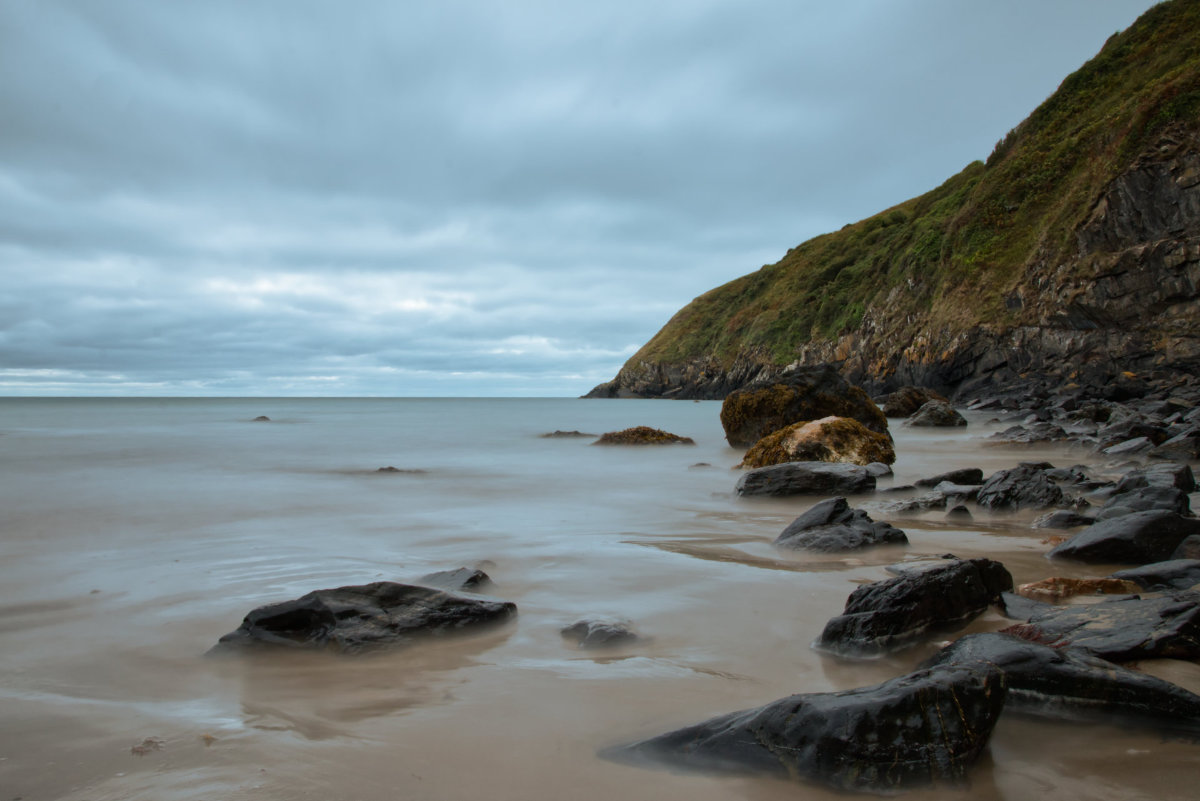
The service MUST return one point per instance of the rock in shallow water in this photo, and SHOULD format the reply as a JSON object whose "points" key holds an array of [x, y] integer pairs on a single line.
{"points": [[1024, 487], [937, 414], [1135, 538], [643, 435], [806, 478], [833, 526], [589, 634]]}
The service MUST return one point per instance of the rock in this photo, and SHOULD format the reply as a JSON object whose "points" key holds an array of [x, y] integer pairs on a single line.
{"points": [[262, 418], [830, 439], [1173, 574], [959, 512], [464, 578], [936, 414], [967, 475], [806, 478], [643, 435], [832, 526], [1129, 447], [1136, 538], [1181, 447], [879, 469], [391, 469], [1058, 587], [893, 613], [1163, 474], [965, 492], [906, 400], [1145, 499], [1019, 488], [1027, 435], [600, 633], [921, 503], [1166, 627], [925, 728], [1062, 518], [566, 435], [364, 618], [1065, 682], [1188, 549], [800, 395]]}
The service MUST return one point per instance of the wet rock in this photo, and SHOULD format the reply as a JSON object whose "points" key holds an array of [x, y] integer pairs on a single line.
{"points": [[1181, 447], [959, 512], [833, 526], [1062, 518], [1163, 474], [567, 435], [925, 728], [1173, 574], [1129, 447], [896, 612], [363, 618], [464, 578], [963, 492], [921, 503], [1058, 588], [262, 418], [589, 634], [967, 475], [830, 439], [1145, 499], [1136, 538], [1022, 487], [936, 414], [643, 435], [1067, 682], [1188, 549], [906, 400], [1028, 435], [806, 478], [1166, 627], [879, 469], [800, 395]]}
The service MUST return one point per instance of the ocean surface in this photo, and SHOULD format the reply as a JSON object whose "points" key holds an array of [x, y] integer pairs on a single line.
{"points": [[135, 532]]}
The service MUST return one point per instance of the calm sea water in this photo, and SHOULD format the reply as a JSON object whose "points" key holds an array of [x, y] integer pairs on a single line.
{"points": [[134, 532]]}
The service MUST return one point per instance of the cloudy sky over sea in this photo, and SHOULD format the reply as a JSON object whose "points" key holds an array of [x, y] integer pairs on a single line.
{"points": [[287, 197]]}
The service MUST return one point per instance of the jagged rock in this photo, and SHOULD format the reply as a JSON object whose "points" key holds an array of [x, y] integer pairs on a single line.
{"points": [[906, 400], [1019, 488], [1136, 538], [464, 578], [364, 618], [1065, 682], [808, 393], [830, 439], [643, 435], [1122, 630], [896, 612], [1173, 574], [806, 478], [1129, 447], [832, 526], [600, 633], [967, 475], [1145, 499], [925, 728], [1062, 518], [936, 414], [1057, 588]]}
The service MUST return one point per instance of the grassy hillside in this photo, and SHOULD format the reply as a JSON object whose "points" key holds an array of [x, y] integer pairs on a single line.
{"points": [[946, 259]]}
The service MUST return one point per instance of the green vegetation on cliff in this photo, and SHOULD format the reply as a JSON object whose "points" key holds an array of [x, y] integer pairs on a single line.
{"points": [[946, 259]]}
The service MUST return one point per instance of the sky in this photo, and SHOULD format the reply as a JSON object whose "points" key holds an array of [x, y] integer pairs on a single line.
{"points": [[462, 197]]}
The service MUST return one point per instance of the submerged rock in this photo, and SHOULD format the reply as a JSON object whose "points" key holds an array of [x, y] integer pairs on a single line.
{"points": [[830, 439], [1136, 538], [643, 435], [464, 578], [925, 728], [558, 434], [599, 633], [806, 478], [362, 618], [832, 526]]}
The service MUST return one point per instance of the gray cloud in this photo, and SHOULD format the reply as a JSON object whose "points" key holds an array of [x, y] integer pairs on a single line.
{"points": [[463, 197]]}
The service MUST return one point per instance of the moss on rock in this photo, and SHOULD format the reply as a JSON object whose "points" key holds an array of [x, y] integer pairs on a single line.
{"points": [[643, 435], [830, 439]]}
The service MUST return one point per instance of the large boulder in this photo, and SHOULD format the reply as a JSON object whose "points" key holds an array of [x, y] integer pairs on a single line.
{"points": [[364, 618], [806, 478], [906, 400], [805, 393], [936, 414], [1136, 538], [925, 728], [832, 526], [830, 439], [896, 612], [1023, 487], [643, 435]]}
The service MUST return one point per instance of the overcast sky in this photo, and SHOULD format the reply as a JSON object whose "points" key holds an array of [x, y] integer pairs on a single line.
{"points": [[458, 198]]}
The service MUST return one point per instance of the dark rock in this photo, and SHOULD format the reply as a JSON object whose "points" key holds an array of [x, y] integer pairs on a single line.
{"points": [[807, 393], [643, 435], [1145, 499], [832, 526], [391, 469], [925, 728], [262, 418], [364, 618], [1026, 435], [1128, 447], [567, 435], [464, 578], [1058, 588], [959, 512], [830, 439], [1167, 627], [921, 503], [1066, 682], [967, 475], [600, 633], [1128, 430], [1136, 538], [1019, 488], [1181, 447], [893, 613], [1188, 549], [1164, 474], [879, 469], [1063, 518], [965, 492], [906, 400], [936, 414], [806, 478], [1173, 574]]}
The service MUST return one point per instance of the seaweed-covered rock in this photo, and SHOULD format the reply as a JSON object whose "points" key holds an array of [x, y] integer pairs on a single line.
{"points": [[937, 414], [830, 439], [832, 526], [363, 618], [1023, 487], [896, 612], [805, 393], [643, 435], [906, 400], [1173, 574], [1136, 538], [925, 728], [806, 478]]}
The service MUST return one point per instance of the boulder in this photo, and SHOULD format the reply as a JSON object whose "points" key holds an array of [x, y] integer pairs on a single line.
{"points": [[1067, 682], [1136, 538], [1023, 487], [364, 618], [832, 526], [1173, 574], [1166, 627], [1163, 474], [805, 393], [464, 578], [806, 478], [643, 435], [936, 414], [925, 728], [896, 612], [599, 633], [967, 475], [906, 400], [1058, 588], [830, 439], [1145, 499]]}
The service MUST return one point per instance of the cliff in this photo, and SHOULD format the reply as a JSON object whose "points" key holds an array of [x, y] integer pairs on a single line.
{"points": [[1072, 253]]}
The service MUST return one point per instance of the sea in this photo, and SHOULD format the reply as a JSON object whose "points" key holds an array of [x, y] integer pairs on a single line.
{"points": [[135, 532]]}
